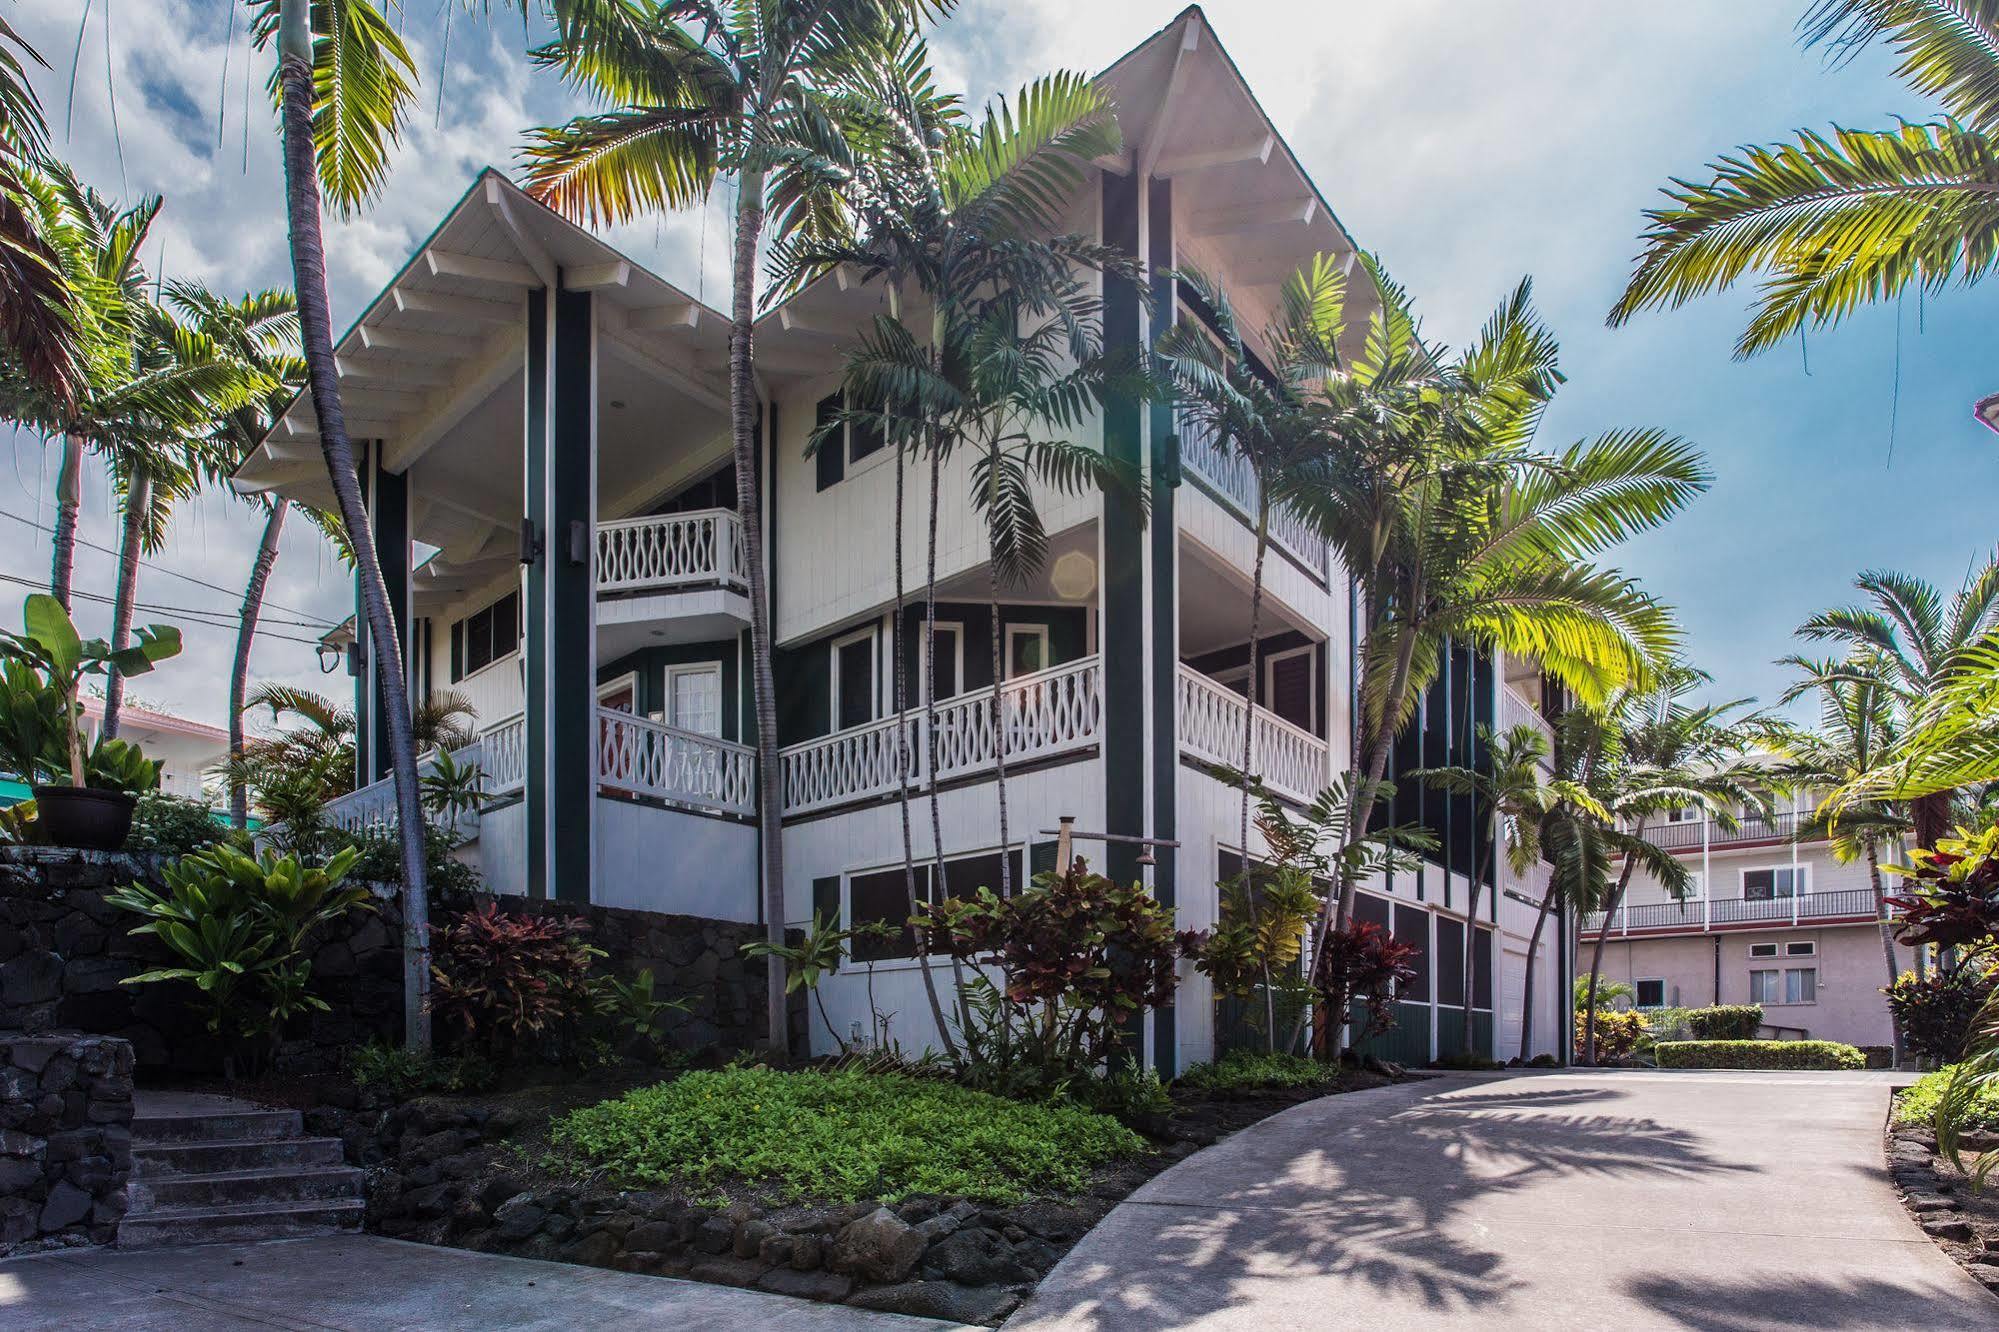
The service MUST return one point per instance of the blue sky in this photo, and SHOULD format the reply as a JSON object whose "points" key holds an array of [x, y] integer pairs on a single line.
{"points": [[1469, 144]]}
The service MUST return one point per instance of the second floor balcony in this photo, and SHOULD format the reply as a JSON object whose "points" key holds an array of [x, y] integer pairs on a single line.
{"points": [[1702, 915], [670, 552], [1690, 835]]}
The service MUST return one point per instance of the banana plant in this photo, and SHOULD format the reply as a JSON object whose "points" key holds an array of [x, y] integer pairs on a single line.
{"points": [[49, 644]]}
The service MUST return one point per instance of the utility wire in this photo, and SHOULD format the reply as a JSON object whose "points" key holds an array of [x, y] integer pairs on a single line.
{"points": [[196, 617], [309, 618]]}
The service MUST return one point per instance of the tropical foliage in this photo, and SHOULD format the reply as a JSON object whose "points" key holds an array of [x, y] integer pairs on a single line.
{"points": [[57, 661], [1836, 219]]}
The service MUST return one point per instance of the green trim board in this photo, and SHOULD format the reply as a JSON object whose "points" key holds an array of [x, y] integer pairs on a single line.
{"points": [[535, 644], [572, 596], [1163, 476], [1122, 571]]}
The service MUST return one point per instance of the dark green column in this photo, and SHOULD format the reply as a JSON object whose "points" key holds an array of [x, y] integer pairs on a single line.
{"points": [[1165, 617], [1123, 577], [386, 495], [535, 593]]}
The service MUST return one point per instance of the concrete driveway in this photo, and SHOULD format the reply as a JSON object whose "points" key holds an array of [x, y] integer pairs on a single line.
{"points": [[364, 1283], [1718, 1201]]}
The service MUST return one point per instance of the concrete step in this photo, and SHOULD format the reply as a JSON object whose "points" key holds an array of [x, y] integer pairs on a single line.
{"points": [[228, 1188], [242, 1221], [228, 1126], [152, 1160]]}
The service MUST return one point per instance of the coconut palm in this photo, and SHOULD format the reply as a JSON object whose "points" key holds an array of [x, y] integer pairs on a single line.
{"points": [[310, 758], [1456, 528], [695, 91], [1669, 754], [39, 326], [1516, 789], [1856, 732], [1840, 218], [1012, 363], [1912, 640]]}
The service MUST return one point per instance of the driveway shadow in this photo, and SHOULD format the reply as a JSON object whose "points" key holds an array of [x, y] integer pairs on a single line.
{"points": [[1717, 1304], [1332, 1189]]}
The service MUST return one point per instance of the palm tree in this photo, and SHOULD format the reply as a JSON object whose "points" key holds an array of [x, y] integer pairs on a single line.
{"points": [[1264, 419], [1857, 730], [963, 217], [1579, 840], [1841, 218], [1456, 529], [261, 331], [695, 91], [312, 757], [40, 328], [1518, 792], [1913, 640], [1670, 754]]}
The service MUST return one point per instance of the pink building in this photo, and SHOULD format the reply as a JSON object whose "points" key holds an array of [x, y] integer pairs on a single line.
{"points": [[1770, 921]]}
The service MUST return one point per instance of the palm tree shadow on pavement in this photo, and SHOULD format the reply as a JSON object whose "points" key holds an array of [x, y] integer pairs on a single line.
{"points": [[1762, 1303], [1379, 1196]]}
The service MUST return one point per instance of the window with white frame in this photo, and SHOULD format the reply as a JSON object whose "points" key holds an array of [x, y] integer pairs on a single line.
{"points": [[855, 692], [1648, 992], [1801, 948], [1775, 882], [1765, 986], [1763, 950], [694, 697], [1801, 985], [1026, 649]]}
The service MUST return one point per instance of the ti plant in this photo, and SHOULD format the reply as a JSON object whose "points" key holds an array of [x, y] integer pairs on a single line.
{"points": [[634, 1004], [453, 789], [240, 928], [49, 645], [811, 960]]}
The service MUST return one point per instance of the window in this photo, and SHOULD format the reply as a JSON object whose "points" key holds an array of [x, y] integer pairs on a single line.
{"points": [[1763, 987], [694, 698], [1801, 985], [485, 636], [1684, 814], [1026, 649], [1412, 926], [882, 897], [1801, 948], [1763, 950], [1780, 882], [1450, 962], [854, 690], [844, 446], [1696, 886], [1649, 992], [949, 645], [1288, 690]]}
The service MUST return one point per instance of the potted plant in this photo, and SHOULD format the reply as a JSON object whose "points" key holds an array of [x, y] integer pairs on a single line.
{"points": [[94, 810]]}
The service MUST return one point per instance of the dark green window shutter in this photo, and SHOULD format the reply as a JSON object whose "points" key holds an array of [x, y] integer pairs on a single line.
{"points": [[457, 651], [826, 900], [1040, 858], [832, 452]]}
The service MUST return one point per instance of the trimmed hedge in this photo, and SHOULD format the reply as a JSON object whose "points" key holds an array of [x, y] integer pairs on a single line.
{"points": [[1758, 1054], [1725, 1022]]}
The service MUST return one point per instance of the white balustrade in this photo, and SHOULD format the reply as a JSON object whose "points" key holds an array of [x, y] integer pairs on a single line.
{"points": [[505, 756], [1047, 713], [671, 550], [1229, 475], [1290, 760], [1517, 711], [646, 758]]}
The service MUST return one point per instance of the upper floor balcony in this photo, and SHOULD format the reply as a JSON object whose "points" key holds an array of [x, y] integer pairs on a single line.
{"points": [[670, 552], [1702, 915], [1691, 834], [1228, 477]]}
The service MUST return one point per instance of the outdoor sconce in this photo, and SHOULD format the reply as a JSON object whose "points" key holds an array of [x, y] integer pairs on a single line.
{"points": [[530, 542]]}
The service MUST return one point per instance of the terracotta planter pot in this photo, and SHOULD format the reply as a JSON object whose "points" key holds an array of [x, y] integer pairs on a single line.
{"points": [[83, 817]]}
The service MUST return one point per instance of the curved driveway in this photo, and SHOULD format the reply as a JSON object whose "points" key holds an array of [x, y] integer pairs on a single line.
{"points": [[1718, 1201]]}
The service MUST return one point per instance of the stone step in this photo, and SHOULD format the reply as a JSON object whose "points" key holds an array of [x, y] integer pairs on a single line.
{"points": [[242, 1221], [228, 1188], [152, 1160], [226, 1126]]}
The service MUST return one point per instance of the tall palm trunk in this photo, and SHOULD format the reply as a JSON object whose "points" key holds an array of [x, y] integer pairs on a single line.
{"points": [[246, 634], [138, 501], [902, 757], [1527, 985], [308, 255], [1249, 757], [69, 498], [1000, 731], [742, 424], [941, 884], [1480, 864], [1887, 939], [1596, 952], [1931, 816]]}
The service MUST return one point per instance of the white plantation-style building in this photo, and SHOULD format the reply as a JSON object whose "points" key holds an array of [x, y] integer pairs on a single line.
{"points": [[544, 423]]}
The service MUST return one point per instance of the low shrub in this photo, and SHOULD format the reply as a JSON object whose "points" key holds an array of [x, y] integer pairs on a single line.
{"points": [[176, 826], [403, 1072], [508, 984], [1244, 1070], [1934, 1012], [1544, 1060], [1918, 1105], [1668, 1024], [846, 1135], [1617, 1033], [1725, 1022], [1758, 1054], [1476, 1063]]}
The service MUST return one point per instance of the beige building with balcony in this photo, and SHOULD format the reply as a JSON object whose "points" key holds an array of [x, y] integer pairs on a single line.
{"points": [[1771, 921]]}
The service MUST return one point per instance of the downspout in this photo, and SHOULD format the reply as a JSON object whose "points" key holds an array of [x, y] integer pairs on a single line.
{"points": [[1717, 971]]}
